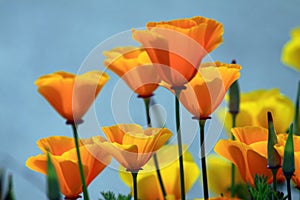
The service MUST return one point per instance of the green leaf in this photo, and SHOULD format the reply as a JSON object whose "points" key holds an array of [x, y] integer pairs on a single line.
{"points": [[263, 191], [296, 118], [111, 196], [10, 194], [273, 156], [288, 166], [52, 181]]}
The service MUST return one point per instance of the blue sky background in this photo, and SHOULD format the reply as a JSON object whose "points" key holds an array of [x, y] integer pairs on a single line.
{"points": [[38, 37]]}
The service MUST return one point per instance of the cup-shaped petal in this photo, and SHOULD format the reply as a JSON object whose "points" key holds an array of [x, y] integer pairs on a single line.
{"points": [[71, 95], [248, 152], [282, 138], [134, 66], [132, 146], [65, 162], [178, 46], [205, 92]]}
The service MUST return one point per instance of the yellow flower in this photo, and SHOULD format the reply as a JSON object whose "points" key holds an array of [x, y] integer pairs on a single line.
{"points": [[134, 66], [63, 155], [206, 90], [132, 146], [178, 46], [218, 174], [248, 152], [280, 149], [291, 50], [169, 169], [254, 106], [71, 95]]}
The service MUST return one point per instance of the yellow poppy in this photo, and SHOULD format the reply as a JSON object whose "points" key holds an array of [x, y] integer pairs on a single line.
{"points": [[178, 46], [134, 66], [248, 152], [64, 158], [218, 174], [71, 95], [291, 50], [280, 149], [169, 169], [132, 146], [254, 106]]}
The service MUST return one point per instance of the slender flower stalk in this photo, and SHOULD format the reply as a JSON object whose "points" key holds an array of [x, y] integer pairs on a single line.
{"points": [[203, 158], [179, 141], [134, 178], [288, 166], [234, 108], [232, 165], [296, 117], [273, 156], [84, 188], [160, 180]]}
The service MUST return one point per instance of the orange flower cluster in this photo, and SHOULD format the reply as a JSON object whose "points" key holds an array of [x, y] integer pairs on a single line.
{"points": [[170, 55]]}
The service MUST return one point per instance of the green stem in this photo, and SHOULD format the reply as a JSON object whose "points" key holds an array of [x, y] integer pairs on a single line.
{"points": [[134, 178], [232, 165], [296, 117], [288, 185], [203, 159], [274, 173], [84, 188], [160, 180], [179, 140], [147, 107]]}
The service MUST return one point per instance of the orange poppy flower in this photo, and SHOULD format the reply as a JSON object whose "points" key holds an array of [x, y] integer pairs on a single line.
{"points": [[248, 152], [71, 95], [134, 66], [64, 158], [132, 146], [206, 90], [178, 46], [280, 149]]}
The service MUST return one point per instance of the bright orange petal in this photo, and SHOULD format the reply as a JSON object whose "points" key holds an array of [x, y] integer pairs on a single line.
{"points": [[56, 145], [250, 134], [236, 153]]}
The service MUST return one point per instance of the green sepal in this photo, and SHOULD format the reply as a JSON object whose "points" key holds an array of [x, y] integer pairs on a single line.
{"points": [[52, 181], [288, 166], [273, 156], [234, 98]]}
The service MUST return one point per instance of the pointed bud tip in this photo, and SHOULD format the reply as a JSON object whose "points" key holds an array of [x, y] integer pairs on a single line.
{"points": [[233, 61], [270, 118]]}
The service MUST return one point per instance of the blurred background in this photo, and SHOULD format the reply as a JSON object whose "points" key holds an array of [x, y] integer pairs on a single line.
{"points": [[40, 37]]}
